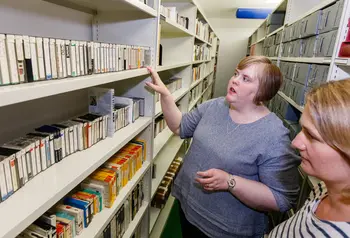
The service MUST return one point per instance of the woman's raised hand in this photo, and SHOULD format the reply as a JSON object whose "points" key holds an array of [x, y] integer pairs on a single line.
{"points": [[157, 84]]}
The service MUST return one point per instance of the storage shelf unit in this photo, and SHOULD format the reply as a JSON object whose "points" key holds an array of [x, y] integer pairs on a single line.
{"points": [[124, 22], [305, 31], [312, 60], [101, 220], [170, 27], [163, 68], [177, 95], [164, 159], [50, 186], [342, 61], [24, 92], [288, 99], [195, 83], [200, 61], [203, 41], [160, 140], [136, 221], [159, 218], [108, 5], [295, 12]]}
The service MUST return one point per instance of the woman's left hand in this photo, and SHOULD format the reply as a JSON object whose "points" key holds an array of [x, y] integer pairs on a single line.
{"points": [[213, 179]]}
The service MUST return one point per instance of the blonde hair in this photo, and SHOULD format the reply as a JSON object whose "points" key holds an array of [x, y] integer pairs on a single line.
{"points": [[329, 108], [270, 77]]}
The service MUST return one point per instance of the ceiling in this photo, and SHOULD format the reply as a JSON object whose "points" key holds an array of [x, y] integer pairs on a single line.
{"points": [[226, 8], [222, 13]]}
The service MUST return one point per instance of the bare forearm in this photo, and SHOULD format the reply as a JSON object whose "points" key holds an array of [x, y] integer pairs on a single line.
{"points": [[171, 113], [254, 194]]}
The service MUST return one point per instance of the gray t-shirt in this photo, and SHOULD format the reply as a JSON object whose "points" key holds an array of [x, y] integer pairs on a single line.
{"points": [[257, 151]]}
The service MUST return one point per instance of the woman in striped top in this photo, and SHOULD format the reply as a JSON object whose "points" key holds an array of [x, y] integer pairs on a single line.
{"points": [[324, 145]]}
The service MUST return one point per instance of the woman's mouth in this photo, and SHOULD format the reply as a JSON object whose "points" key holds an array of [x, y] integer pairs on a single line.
{"points": [[232, 90]]}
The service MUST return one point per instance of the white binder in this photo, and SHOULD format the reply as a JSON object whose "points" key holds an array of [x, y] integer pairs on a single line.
{"points": [[20, 58], [34, 58], [4, 68], [40, 55], [47, 58], [53, 58], [11, 58]]}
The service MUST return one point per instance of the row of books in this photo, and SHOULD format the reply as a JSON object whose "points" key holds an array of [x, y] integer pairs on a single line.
{"points": [[23, 158], [25, 59], [211, 37], [173, 84], [196, 92], [159, 125], [171, 13], [202, 30], [198, 72], [201, 52], [76, 211], [122, 110], [164, 189]]}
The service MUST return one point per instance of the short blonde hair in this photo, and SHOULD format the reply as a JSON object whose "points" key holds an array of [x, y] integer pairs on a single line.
{"points": [[270, 77], [329, 108]]}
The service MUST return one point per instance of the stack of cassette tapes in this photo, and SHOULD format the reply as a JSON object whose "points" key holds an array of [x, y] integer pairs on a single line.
{"points": [[164, 188], [26, 59], [76, 211], [23, 158]]}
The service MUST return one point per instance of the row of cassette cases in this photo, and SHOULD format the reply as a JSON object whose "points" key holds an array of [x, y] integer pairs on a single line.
{"points": [[316, 46]]}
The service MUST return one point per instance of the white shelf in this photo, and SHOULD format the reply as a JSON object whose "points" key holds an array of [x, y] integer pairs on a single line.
{"points": [[164, 159], [195, 83], [294, 104], [273, 58], [200, 61], [172, 28], [194, 103], [312, 60], [177, 95], [13, 94], [102, 219], [137, 219], [160, 140], [107, 5], [159, 218], [275, 31], [342, 61], [174, 66], [202, 40], [154, 213], [258, 41], [47, 188], [321, 5]]}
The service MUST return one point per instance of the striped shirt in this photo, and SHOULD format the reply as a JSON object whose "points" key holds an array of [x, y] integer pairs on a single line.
{"points": [[305, 223]]}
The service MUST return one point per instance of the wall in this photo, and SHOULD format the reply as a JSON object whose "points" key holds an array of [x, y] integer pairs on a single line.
{"points": [[233, 35]]}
